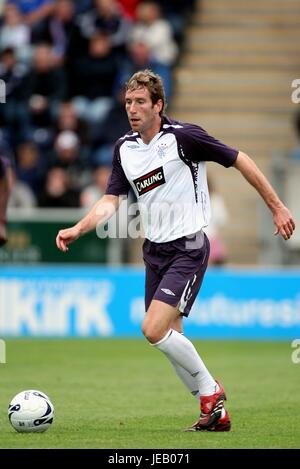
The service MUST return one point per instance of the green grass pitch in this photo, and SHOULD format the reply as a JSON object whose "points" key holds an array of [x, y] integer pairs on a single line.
{"points": [[124, 394]]}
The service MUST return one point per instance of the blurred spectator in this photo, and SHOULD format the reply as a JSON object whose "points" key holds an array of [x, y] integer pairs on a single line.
{"points": [[31, 168], [82, 6], [92, 193], [105, 136], [93, 79], [219, 218], [129, 8], [139, 58], [43, 138], [106, 17], [67, 145], [14, 115], [21, 196], [14, 33], [68, 119], [156, 32], [34, 11], [47, 86], [58, 28], [68, 155], [57, 191]]}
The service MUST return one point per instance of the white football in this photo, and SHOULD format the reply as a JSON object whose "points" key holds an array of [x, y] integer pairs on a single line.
{"points": [[31, 411]]}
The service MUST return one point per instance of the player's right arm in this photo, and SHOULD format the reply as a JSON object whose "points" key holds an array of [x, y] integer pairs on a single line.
{"points": [[99, 214], [117, 188]]}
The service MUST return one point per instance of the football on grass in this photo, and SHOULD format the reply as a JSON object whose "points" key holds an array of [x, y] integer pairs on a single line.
{"points": [[31, 411]]}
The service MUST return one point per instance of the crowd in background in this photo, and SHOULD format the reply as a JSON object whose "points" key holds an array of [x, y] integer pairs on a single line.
{"points": [[64, 64]]}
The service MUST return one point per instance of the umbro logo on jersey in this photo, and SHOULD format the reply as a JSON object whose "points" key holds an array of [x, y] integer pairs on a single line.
{"points": [[167, 291], [149, 181]]}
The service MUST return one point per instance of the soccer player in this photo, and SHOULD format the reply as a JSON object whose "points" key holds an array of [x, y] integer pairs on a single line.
{"points": [[163, 161]]}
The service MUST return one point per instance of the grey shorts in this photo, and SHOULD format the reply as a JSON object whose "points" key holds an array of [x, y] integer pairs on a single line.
{"points": [[175, 270]]}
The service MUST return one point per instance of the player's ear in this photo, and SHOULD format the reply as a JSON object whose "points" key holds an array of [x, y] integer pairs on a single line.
{"points": [[159, 105]]}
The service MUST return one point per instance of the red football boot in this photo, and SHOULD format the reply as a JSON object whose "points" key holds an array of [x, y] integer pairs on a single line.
{"points": [[211, 413]]}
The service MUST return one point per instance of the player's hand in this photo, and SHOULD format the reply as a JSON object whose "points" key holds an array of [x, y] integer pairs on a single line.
{"points": [[66, 237], [284, 222]]}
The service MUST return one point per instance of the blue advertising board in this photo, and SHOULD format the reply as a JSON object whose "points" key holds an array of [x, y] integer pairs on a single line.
{"points": [[81, 301]]}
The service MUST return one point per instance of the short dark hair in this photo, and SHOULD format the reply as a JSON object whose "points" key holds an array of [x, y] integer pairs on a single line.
{"points": [[153, 83]]}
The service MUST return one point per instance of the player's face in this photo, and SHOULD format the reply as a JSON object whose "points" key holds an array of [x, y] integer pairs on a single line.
{"points": [[142, 114]]}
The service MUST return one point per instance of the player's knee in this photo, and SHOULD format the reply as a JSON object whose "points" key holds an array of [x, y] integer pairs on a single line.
{"points": [[151, 332], [147, 330]]}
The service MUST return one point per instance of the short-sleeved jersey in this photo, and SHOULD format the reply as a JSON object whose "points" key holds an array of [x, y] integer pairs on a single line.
{"points": [[168, 177]]}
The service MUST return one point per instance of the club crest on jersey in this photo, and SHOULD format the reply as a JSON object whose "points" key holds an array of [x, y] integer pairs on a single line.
{"points": [[149, 181], [161, 149]]}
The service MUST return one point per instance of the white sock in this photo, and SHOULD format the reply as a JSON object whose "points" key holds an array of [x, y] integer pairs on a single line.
{"points": [[180, 350], [187, 379], [190, 382]]}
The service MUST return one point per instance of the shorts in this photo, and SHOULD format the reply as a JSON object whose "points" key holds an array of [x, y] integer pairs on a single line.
{"points": [[175, 270]]}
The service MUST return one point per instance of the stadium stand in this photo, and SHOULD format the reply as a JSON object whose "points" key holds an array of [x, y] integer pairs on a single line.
{"points": [[235, 78]]}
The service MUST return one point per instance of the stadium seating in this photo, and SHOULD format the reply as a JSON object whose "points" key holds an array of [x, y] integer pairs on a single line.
{"points": [[235, 81]]}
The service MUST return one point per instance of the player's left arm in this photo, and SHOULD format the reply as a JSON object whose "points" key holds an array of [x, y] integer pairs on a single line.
{"points": [[282, 217]]}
